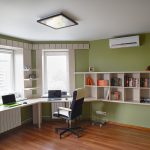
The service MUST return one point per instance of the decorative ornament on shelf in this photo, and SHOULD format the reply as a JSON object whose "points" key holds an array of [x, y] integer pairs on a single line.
{"points": [[27, 68], [89, 81], [32, 76], [91, 69], [148, 68]]}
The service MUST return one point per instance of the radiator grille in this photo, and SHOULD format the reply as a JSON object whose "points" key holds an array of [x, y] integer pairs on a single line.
{"points": [[10, 119]]}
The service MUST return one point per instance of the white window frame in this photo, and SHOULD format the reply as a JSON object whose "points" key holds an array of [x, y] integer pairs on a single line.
{"points": [[54, 53], [7, 51]]}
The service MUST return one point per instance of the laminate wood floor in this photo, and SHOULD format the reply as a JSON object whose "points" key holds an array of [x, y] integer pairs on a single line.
{"points": [[109, 137]]}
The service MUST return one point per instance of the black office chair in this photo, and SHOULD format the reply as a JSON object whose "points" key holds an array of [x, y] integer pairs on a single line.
{"points": [[71, 113]]}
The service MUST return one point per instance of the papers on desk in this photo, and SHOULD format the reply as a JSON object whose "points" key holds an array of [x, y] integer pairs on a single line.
{"points": [[12, 105], [54, 99]]}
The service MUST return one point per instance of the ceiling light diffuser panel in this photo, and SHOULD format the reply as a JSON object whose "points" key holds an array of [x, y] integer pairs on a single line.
{"points": [[58, 21]]}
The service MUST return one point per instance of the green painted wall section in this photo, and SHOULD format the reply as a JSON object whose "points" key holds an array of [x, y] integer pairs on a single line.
{"points": [[81, 60], [81, 65], [123, 59]]}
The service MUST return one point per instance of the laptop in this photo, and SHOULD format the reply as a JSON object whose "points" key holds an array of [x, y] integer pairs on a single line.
{"points": [[54, 94], [9, 100]]}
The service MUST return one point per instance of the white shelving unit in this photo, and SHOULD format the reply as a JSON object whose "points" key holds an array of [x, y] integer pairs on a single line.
{"points": [[28, 87], [30, 79], [120, 87]]}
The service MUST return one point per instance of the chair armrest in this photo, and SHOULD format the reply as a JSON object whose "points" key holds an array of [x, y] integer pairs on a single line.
{"points": [[64, 108]]}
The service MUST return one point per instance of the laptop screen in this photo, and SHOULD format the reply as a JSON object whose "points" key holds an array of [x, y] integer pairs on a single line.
{"points": [[8, 99], [54, 93]]}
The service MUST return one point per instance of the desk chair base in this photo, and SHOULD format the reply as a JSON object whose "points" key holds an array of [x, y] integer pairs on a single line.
{"points": [[100, 123], [74, 130]]}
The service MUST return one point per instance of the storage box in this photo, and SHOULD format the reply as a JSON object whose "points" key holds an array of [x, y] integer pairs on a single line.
{"points": [[102, 82]]}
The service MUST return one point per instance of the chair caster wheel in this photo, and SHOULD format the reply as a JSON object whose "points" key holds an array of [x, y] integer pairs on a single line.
{"points": [[100, 125], [56, 130]]}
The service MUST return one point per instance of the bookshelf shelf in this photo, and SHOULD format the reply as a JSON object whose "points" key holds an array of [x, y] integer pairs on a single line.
{"points": [[102, 86], [30, 79], [30, 82], [145, 88], [32, 88], [119, 87], [131, 87], [116, 86], [90, 86]]}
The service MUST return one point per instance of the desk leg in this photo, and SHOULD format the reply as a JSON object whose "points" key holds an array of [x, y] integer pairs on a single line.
{"points": [[37, 114]]}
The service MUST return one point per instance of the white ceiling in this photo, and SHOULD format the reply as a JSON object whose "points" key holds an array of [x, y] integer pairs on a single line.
{"points": [[98, 19]]}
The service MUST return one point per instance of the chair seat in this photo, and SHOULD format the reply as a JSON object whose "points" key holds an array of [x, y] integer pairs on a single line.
{"points": [[98, 112], [71, 113], [62, 113]]}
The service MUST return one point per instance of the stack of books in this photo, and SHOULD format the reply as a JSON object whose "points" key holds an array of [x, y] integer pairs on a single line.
{"points": [[116, 82], [145, 82], [115, 95], [131, 82]]}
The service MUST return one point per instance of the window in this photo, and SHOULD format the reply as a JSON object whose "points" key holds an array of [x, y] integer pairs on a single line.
{"points": [[56, 70], [6, 72]]}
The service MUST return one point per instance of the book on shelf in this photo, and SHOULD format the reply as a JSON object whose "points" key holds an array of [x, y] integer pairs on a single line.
{"points": [[116, 81], [107, 94], [131, 82], [102, 82], [145, 82]]}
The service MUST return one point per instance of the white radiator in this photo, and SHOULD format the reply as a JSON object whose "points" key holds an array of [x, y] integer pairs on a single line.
{"points": [[55, 107], [10, 119]]}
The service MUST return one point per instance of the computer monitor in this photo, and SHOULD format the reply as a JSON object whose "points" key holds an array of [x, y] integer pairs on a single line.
{"points": [[8, 99], [54, 94]]}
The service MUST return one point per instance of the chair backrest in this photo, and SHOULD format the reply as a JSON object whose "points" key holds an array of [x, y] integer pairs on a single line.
{"points": [[77, 102]]}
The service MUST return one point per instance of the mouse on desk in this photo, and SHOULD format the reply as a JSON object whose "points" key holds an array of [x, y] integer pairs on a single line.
{"points": [[24, 102]]}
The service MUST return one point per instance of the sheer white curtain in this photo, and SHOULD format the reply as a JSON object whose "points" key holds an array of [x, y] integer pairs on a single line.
{"points": [[56, 70], [6, 72], [68, 82]]}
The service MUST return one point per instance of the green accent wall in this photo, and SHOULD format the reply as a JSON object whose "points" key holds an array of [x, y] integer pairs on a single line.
{"points": [[122, 59], [81, 60], [82, 65]]}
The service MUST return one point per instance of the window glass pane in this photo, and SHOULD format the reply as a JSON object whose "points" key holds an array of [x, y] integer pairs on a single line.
{"points": [[57, 71], [5, 73]]}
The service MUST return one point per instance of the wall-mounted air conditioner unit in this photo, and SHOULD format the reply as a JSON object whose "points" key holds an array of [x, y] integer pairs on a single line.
{"points": [[130, 41]]}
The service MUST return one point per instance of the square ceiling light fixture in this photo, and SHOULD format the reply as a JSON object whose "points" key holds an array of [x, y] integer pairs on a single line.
{"points": [[58, 21]]}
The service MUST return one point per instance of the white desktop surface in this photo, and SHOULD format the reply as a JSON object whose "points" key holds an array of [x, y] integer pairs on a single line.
{"points": [[36, 105], [37, 101]]}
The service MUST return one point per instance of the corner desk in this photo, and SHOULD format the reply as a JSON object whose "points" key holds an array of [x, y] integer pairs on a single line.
{"points": [[10, 117]]}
